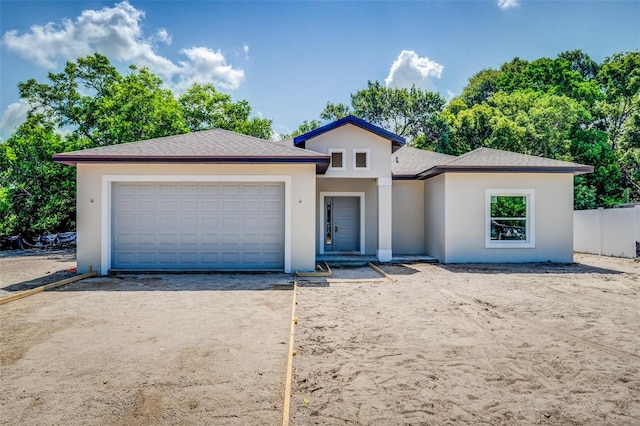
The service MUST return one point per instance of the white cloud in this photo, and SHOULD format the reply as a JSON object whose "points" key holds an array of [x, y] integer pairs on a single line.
{"points": [[116, 32], [208, 66], [245, 49], [163, 36], [506, 4], [409, 69], [13, 116]]}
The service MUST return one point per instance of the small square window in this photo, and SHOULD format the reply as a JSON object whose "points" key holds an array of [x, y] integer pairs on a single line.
{"points": [[361, 159], [337, 159]]}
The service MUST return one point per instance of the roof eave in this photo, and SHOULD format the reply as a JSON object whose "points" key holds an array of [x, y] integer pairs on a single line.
{"points": [[404, 177], [437, 170], [322, 162]]}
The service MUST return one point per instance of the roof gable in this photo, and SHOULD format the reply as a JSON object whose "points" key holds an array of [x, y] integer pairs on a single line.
{"points": [[215, 146], [396, 141]]}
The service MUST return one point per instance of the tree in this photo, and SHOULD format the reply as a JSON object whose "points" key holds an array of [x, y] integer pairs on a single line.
{"points": [[92, 100], [38, 195], [619, 78], [412, 113], [334, 112], [204, 108], [305, 127]]}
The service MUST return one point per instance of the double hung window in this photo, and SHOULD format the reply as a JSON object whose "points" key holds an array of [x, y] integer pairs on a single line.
{"points": [[509, 219]]}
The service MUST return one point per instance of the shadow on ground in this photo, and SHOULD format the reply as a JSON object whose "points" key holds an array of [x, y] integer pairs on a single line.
{"points": [[526, 268]]}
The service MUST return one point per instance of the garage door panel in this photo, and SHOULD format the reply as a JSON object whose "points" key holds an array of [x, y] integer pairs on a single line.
{"points": [[148, 258], [210, 239], [169, 189], [198, 225], [209, 206], [251, 223], [209, 189], [147, 239], [167, 239], [167, 258]]}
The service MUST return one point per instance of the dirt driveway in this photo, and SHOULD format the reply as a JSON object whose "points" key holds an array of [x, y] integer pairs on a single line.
{"points": [[472, 344], [142, 350]]}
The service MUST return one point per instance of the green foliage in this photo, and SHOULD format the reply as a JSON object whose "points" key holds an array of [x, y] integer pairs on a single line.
{"points": [[412, 113], [305, 127], [619, 78], [334, 112], [204, 108], [508, 206], [94, 101], [37, 195]]}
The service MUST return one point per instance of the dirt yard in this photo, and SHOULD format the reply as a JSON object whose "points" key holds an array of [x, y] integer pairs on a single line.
{"points": [[457, 344], [146, 350], [475, 344]]}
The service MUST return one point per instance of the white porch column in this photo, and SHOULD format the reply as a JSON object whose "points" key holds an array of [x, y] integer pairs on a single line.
{"points": [[384, 219]]}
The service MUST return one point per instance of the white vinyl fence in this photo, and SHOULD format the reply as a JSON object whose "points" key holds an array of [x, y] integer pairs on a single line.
{"points": [[609, 232]]}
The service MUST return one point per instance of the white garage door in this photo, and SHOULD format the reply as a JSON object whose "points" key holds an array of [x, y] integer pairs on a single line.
{"points": [[185, 225]]}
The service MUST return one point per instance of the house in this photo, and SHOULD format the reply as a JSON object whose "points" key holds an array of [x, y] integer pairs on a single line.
{"points": [[224, 201]]}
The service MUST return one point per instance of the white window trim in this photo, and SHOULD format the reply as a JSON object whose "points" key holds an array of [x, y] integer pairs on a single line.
{"points": [[530, 242], [321, 216], [344, 159], [107, 185], [366, 151]]}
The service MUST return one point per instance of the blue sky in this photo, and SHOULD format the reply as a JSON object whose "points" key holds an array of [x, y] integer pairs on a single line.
{"points": [[288, 59]]}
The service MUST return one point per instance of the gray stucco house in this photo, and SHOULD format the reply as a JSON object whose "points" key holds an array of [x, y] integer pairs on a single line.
{"points": [[217, 200]]}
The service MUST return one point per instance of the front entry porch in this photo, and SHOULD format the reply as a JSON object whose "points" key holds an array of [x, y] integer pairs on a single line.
{"points": [[358, 260]]}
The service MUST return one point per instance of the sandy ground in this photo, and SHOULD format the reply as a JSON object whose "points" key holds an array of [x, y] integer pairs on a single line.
{"points": [[445, 344], [147, 350], [24, 269], [474, 344]]}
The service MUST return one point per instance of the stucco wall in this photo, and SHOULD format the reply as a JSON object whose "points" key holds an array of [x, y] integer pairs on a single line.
{"points": [[90, 203], [370, 189], [434, 217], [466, 216], [350, 137], [408, 217]]}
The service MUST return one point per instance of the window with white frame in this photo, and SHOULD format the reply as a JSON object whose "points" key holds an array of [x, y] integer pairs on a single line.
{"points": [[361, 159], [337, 159], [510, 218]]}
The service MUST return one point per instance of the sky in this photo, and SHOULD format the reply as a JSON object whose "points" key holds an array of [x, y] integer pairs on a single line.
{"points": [[289, 58]]}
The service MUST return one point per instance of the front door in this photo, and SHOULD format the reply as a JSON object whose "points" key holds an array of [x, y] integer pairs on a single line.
{"points": [[342, 224]]}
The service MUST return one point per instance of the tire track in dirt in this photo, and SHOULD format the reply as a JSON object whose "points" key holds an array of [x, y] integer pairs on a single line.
{"points": [[537, 326]]}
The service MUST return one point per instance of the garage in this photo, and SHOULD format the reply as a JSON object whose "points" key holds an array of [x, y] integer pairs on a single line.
{"points": [[197, 225], [202, 201]]}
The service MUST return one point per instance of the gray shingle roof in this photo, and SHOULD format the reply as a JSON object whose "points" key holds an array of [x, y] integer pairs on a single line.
{"points": [[208, 144], [409, 162], [222, 146], [495, 160]]}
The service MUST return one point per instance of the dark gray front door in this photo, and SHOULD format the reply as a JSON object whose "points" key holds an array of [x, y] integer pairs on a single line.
{"points": [[342, 223]]}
